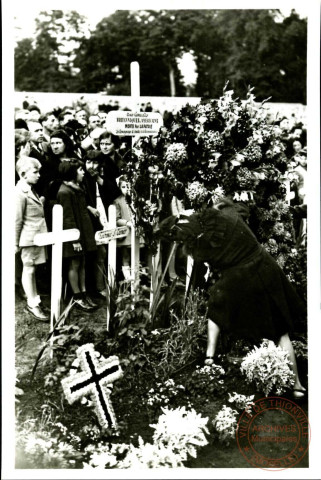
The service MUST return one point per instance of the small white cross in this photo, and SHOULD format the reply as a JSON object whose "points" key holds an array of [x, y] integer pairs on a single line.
{"points": [[56, 238]]}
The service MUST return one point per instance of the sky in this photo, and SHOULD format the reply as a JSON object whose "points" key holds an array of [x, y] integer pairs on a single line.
{"points": [[25, 13]]}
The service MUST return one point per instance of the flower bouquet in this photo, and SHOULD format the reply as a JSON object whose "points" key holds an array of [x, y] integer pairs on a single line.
{"points": [[269, 367]]}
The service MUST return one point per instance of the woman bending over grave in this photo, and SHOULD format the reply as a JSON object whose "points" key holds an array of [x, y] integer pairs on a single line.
{"points": [[252, 298], [71, 196]]}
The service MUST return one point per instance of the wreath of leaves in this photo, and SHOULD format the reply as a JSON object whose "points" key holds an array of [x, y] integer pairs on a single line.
{"points": [[229, 145]]}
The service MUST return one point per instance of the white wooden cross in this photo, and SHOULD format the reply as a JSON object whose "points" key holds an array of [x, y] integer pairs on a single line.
{"points": [[56, 238], [135, 97], [109, 237], [134, 124]]}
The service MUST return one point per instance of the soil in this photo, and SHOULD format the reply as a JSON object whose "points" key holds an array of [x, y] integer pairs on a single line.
{"points": [[30, 337]]}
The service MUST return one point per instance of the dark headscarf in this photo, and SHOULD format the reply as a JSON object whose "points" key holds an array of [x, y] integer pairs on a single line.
{"points": [[70, 148], [201, 230]]}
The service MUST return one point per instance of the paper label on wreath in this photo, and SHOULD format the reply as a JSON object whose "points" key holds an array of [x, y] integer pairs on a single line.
{"points": [[132, 123], [93, 379]]}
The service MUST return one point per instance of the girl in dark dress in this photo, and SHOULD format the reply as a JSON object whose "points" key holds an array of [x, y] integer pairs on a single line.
{"points": [[252, 298], [71, 196]]}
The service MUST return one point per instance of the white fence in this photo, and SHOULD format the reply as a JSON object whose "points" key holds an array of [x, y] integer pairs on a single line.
{"points": [[47, 101]]}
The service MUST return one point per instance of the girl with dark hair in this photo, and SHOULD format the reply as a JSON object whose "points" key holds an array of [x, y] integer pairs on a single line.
{"points": [[71, 196]]}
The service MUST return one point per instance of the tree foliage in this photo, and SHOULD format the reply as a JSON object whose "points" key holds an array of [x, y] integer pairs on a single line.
{"points": [[244, 47], [45, 63]]}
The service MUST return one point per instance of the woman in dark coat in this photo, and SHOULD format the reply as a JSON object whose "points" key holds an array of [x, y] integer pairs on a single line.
{"points": [[252, 298], [61, 148], [112, 164], [71, 196]]}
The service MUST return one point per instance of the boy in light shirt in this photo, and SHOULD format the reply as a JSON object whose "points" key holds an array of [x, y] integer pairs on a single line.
{"points": [[30, 220]]}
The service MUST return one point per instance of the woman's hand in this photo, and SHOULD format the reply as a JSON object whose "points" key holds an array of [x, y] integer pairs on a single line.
{"points": [[92, 172]]}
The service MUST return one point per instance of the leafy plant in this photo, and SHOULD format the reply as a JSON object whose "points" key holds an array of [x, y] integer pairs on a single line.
{"points": [[242, 402], [206, 381], [300, 348], [269, 367], [45, 445], [181, 342], [181, 431], [165, 393], [225, 424], [60, 337], [178, 434]]}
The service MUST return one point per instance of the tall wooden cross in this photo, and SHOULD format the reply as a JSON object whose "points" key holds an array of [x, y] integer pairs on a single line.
{"points": [[56, 238], [135, 97], [134, 124]]}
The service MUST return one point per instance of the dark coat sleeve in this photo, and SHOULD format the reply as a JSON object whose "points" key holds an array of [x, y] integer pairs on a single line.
{"points": [[66, 200]]}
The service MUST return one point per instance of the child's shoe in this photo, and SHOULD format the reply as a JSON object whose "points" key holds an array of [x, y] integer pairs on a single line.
{"points": [[102, 293], [38, 313], [83, 305], [90, 302]]}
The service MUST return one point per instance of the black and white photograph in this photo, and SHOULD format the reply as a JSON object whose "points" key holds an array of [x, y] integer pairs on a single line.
{"points": [[161, 229]]}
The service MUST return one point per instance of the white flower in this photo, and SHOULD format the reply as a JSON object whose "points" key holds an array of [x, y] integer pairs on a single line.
{"points": [[225, 423], [175, 154], [181, 430], [269, 367], [243, 402], [148, 455], [196, 192]]}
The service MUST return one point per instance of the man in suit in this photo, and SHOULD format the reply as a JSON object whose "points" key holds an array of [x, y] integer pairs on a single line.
{"points": [[49, 124]]}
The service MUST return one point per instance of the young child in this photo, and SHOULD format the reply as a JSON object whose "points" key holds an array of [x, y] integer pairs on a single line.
{"points": [[30, 220], [71, 196], [124, 218], [98, 215]]}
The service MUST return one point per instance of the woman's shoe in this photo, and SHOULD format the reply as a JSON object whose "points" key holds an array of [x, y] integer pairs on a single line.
{"points": [[209, 361], [298, 393]]}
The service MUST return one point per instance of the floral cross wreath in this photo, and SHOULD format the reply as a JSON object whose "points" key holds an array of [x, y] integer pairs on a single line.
{"points": [[94, 379]]}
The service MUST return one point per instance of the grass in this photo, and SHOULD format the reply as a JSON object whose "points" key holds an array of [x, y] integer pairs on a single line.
{"points": [[46, 406]]}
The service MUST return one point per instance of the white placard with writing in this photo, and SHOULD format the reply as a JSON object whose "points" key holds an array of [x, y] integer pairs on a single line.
{"points": [[105, 236], [134, 123]]}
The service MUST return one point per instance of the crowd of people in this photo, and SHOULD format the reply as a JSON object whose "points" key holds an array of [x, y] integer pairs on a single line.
{"points": [[68, 157]]}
